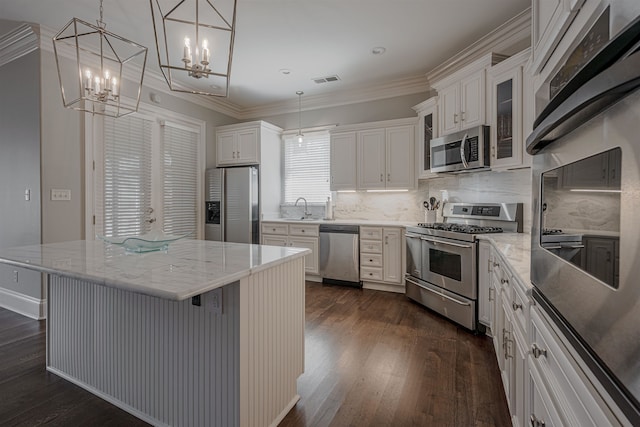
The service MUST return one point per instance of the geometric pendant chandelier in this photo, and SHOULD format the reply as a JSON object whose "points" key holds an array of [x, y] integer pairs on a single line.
{"points": [[194, 42], [95, 81]]}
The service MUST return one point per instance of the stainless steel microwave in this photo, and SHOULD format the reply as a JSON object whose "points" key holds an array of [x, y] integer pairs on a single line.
{"points": [[462, 151]]}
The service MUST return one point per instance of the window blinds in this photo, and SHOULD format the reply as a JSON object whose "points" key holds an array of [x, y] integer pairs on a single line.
{"points": [[306, 167], [180, 179], [123, 199]]}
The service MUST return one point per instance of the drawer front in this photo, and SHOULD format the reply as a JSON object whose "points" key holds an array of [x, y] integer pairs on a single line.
{"points": [[371, 273], [371, 233], [548, 355], [370, 247], [275, 228], [371, 260], [303, 230]]}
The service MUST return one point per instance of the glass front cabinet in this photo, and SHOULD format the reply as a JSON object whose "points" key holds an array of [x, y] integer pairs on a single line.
{"points": [[427, 130], [507, 135]]}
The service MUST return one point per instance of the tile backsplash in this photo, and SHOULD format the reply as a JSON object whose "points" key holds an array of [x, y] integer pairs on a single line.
{"points": [[489, 187], [511, 187]]}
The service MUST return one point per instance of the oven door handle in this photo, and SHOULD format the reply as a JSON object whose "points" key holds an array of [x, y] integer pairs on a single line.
{"points": [[551, 247], [436, 241], [437, 293], [463, 156]]}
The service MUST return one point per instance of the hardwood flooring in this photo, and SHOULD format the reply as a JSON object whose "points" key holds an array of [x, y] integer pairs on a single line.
{"points": [[372, 359]]}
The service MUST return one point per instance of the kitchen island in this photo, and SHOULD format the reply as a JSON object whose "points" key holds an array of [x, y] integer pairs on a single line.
{"points": [[202, 334]]}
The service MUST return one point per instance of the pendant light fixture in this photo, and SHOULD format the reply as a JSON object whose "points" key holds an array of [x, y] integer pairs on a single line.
{"points": [[95, 82], [300, 136], [194, 41]]}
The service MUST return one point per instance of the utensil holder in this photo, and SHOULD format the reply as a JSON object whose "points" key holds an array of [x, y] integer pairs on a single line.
{"points": [[429, 217]]}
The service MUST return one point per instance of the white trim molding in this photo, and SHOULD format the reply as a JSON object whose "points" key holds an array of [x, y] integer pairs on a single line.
{"points": [[18, 42], [26, 305]]}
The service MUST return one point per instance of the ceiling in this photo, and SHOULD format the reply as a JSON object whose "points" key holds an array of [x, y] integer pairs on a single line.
{"points": [[310, 38]]}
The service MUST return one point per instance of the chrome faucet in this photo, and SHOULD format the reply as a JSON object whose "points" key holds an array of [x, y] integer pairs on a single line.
{"points": [[306, 211]]}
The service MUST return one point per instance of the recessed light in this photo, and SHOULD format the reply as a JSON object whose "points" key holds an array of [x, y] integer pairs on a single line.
{"points": [[285, 71], [378, 50]]}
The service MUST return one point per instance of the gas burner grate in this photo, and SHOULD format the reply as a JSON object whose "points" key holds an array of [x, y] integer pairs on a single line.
{"points": [[461, 228]]}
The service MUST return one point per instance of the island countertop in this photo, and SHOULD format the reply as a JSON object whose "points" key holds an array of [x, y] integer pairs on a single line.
{"points": [[186, 269]]}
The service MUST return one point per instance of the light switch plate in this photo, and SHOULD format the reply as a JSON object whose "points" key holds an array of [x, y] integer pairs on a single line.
{"points": [[60, 194], [214, 301]]}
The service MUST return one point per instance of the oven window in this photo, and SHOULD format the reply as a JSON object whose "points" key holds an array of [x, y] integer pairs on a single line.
{"points": [[581, 214], [445, 264]]}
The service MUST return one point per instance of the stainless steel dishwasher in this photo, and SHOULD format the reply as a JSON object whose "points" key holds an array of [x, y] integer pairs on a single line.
{"points": [[340, 254]]}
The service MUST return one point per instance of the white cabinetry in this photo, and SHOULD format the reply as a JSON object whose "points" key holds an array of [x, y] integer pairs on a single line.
{"points": [[246, 143], [462, 96], [427, 130], [373, 156], [381, 255], [546, 383], [294, 235], [550, 20], [343, 161], [507, 134]]}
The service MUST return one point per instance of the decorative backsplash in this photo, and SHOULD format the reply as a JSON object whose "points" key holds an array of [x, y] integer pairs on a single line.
{"points": [[489, 187]]}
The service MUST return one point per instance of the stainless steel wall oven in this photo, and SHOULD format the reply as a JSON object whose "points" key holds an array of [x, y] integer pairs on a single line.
{"points": [[586, 184]]}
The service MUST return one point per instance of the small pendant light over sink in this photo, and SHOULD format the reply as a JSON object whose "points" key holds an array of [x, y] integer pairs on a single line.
{"points": [[300, 135], [94, 83]]}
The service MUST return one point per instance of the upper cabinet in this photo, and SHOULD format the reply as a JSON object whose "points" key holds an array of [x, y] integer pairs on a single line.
{"points": [[507, 105], [462, 96], [372, 156], [427, 130], [241, 144], [343, 160], [550, 20]]}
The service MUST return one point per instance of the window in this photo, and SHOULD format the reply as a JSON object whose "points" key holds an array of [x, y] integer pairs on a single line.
{"points": [[125, 180], [306, 167], [147, 173]]}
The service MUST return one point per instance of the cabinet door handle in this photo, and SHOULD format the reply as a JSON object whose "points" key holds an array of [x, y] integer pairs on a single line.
{"points": [[537, 351], [495, 264], [389, 177], [238, 153], [386, 240], [604, 173], [234, 154], [381, 177], [535, 422], [455, 118], [462, 116], [492, 294], [516, 306], [504, 281]]}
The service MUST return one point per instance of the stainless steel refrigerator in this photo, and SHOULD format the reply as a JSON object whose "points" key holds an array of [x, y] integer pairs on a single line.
{"points": [[231, 208]]}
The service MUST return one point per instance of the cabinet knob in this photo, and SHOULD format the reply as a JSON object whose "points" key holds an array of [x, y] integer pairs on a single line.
{"points": [[274, 229], [303, 230], [537, 351], [535, 422], [516, 306], [504, 281]]}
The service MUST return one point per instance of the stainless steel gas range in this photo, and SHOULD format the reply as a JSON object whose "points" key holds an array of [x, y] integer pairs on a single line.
{"points": [[442, 257]]}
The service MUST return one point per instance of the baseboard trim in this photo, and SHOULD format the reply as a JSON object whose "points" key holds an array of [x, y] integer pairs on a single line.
{"points": [[31, 307], [399, 289]]}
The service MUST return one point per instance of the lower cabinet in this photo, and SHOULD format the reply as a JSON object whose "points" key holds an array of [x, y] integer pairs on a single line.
{"points": [[381, 254], [545, 381], [294, 235]]}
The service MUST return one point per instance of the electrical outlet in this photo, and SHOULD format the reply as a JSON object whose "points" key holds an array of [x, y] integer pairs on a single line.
{"points": [[60, 194], [15, 276], [214, 301]]}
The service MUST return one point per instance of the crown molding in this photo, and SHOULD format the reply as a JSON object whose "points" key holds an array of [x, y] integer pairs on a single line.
{"points": [[18, 42], [505, 36], [408, 86]]}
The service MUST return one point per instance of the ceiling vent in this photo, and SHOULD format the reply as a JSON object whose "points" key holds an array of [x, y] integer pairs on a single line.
{"points": [[327, 79]]}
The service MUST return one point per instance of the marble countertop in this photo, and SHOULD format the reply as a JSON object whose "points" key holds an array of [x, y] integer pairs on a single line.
{"points": [[515, 248], [187, 268], [363, 222]]}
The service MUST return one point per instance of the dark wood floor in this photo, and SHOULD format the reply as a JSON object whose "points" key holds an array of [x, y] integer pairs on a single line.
{"points": [[372, 359]]}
